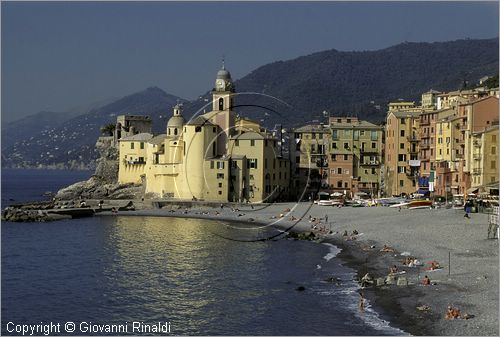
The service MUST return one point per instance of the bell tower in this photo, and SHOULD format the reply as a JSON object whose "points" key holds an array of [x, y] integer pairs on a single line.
{"points": [[222, 105]]}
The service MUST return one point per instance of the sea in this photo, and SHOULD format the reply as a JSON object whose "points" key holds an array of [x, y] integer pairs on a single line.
{"points": [[145, 273]]}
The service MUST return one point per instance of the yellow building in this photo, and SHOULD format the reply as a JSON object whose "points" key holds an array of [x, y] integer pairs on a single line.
{"points": [[401, 152], [213, 157], [132, 158], [484, 157]]}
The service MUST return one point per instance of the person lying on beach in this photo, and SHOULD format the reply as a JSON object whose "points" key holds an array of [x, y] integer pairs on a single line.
{"points": [[452, 313], [434, 266], [388, 249], [393, 270], [345, 233], [426, 281], [355, 232]]}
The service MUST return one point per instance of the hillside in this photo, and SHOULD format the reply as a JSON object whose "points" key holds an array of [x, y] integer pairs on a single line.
{"points": [[362, 83], [71, 143]]}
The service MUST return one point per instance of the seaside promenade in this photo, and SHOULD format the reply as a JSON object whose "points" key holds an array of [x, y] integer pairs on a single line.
{"points": [[468, 279]]}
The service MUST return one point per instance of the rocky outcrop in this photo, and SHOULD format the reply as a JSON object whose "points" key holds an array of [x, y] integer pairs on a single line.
{"points": [[97, 188]]}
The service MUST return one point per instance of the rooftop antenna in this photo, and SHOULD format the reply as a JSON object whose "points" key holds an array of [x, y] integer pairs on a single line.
{"points": [[223, 65]]}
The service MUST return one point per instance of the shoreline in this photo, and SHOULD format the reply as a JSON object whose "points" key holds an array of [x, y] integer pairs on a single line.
{"points": [[475, 295]]}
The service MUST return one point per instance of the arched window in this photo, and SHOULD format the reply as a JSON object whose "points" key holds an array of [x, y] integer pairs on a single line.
{"points": [[221, 103], [175, 132]]}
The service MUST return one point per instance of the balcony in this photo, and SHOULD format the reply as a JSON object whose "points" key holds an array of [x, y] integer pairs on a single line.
{"points": [[424, 146], [425, 121], [476, 171], [371, 163], [363, 150], [476, 156], [134, 162], [413, 139], [459, 156]]}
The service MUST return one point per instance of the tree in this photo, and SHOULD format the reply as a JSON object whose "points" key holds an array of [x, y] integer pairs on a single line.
{"points": [[108, 129]]}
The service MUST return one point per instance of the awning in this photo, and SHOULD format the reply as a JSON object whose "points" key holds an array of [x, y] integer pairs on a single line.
{"points": [[472, 190]]}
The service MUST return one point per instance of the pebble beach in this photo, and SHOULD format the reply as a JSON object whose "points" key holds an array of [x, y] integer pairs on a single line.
{"points": [[468, 278]]}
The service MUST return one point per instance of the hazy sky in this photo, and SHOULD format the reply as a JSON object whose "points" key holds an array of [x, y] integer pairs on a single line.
{"points": [[58, 55]]}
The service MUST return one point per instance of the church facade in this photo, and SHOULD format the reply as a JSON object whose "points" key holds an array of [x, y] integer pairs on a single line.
{"points": [[216, 156]]}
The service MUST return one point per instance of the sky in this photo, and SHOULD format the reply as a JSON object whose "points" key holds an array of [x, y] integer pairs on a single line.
{"points": [[59, 55]]}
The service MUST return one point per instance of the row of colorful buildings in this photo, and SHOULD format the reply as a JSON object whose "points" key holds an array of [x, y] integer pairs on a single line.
{"points": [[445, 145]]}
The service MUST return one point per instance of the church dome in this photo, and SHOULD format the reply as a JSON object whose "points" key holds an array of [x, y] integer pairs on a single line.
{"points": [[223, 74], [176, 122]]}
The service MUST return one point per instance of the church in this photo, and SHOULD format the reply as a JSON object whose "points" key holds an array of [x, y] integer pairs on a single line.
{"points": [[216, 156]]}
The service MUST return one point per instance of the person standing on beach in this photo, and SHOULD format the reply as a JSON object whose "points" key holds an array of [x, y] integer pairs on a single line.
{"points": [[326, 218], [361, 302]]}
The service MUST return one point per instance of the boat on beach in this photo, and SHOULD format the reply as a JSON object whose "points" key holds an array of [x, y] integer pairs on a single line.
{"points": [[416, 204]]}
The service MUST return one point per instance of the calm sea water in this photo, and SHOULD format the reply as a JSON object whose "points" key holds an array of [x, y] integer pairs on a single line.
{"points": [[113, 270]]}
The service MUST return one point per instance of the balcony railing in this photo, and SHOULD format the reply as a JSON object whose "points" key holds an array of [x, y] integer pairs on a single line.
{"points": [[413, 139], [371, 163], [476, 171], [425, 121], [459, 156], [363, 150], [424, 146], [476, 156], [134, 162]]}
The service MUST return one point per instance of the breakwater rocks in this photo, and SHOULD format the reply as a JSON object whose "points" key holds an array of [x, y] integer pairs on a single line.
{"points": [[308, 236], [30, 215]]}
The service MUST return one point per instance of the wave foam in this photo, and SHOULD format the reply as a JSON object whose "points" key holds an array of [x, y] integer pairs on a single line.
{"points": [[334, 251]]}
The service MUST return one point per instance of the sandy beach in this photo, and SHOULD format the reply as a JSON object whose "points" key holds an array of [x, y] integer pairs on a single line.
{"points": [[468, 279]]}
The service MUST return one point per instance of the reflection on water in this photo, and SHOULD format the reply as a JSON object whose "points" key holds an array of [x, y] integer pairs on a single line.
{"points": [[116, 269]]}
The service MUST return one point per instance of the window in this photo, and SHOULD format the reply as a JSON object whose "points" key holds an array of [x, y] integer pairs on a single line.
{"points": [[402, 157], [401, 183], [214, 129], [402, 133], [313, 135], [339, 184], [220, 175], [334, 145], [493, 150], [212, 165], [346, 145], [356, 134], [251, 177], [252, 142], [339, 120], [493, 164], [401, 145], [373, 170], [320, 136], [346, 157], [221, 103], [252, 163], [374, 135], [335, 134], [401, 169], [374, 145], [334, 157], [220, 192], [234, 164], [403, 121], [197, 129], [132, 145], [220, 165], [494, 138], [220, 185], [346, 184], [339, 170], [175, 132], [236, 142], [142, 145]]}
